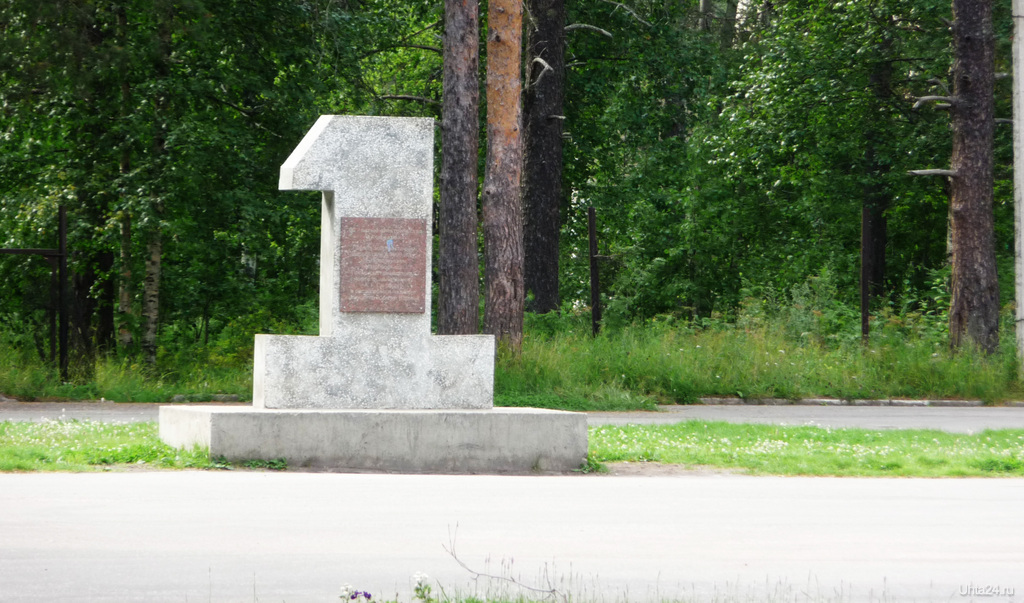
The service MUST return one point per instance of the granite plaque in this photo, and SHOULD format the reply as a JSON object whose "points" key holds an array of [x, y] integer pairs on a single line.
{"points": [[383, 265]]}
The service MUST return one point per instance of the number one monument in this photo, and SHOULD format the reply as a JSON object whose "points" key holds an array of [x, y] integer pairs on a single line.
{"points": [[375, 390]]}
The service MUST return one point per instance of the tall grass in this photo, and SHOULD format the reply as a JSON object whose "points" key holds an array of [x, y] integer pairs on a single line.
{"points": [[680, 365], [804, 343], [124, 379], [807, 347]]}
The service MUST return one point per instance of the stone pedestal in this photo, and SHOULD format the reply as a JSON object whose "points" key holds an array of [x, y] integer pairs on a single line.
{"points": [[499, 440]]}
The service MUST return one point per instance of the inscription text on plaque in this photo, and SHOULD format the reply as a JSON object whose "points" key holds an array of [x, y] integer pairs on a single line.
{"points": [[383, 265]]}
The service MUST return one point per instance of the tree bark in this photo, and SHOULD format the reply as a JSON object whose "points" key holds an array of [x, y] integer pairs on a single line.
{"points": [[82, 357], [502, 203], [105, 304], [707, 15], [729, 23], [542, 168], [458, 264], [974, 308], [764, 16], [877, 199]]}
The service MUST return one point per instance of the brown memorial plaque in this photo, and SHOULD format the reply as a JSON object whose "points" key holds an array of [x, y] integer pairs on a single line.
{"points": [[383, 265]]}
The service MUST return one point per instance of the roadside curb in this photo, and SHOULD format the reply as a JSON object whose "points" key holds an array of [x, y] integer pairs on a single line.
{"points": [[843, 402]]}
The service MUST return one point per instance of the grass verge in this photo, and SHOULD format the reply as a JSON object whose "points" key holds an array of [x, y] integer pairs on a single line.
{"points": [[769, 449], [757, 449], [91, 446]]}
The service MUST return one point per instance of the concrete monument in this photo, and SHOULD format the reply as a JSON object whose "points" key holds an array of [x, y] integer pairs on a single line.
{"points": [[375, 349], [375, 390]]}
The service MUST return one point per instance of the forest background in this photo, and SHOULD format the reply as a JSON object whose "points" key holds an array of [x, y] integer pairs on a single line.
{"points": [[730, 150]]}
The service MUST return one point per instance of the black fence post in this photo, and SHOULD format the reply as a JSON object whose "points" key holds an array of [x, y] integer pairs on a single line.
{"points": [[62, 251], [595, 284]]}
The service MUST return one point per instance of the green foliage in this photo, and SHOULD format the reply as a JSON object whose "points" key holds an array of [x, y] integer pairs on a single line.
{"points": [[728, 178], [422, 590], [768, 449], [811, 309], [272, 464], [592, 465], [175, 117], [229, 344], [776, 145], [631, 101]]}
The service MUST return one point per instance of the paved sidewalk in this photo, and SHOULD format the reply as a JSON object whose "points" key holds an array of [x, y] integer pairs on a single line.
{"points": [[951, 419]]}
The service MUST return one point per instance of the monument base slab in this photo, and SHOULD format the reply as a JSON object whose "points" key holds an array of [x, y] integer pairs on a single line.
{"points": [[498, 440]]}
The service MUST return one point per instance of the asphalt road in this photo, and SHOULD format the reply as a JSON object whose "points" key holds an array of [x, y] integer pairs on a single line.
{"points": [[250, 536], [255, 536]]}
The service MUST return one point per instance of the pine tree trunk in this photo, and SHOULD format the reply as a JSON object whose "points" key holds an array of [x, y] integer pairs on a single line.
{"points": [[459, 266], [974, 308], [502, 203], [877, 199], [542, 168]]}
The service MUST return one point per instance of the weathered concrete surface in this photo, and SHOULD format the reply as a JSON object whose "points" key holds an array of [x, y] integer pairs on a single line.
{"points": [[376, 166], [369, 167], [500, 440], [295, 537], [366, 370]]}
